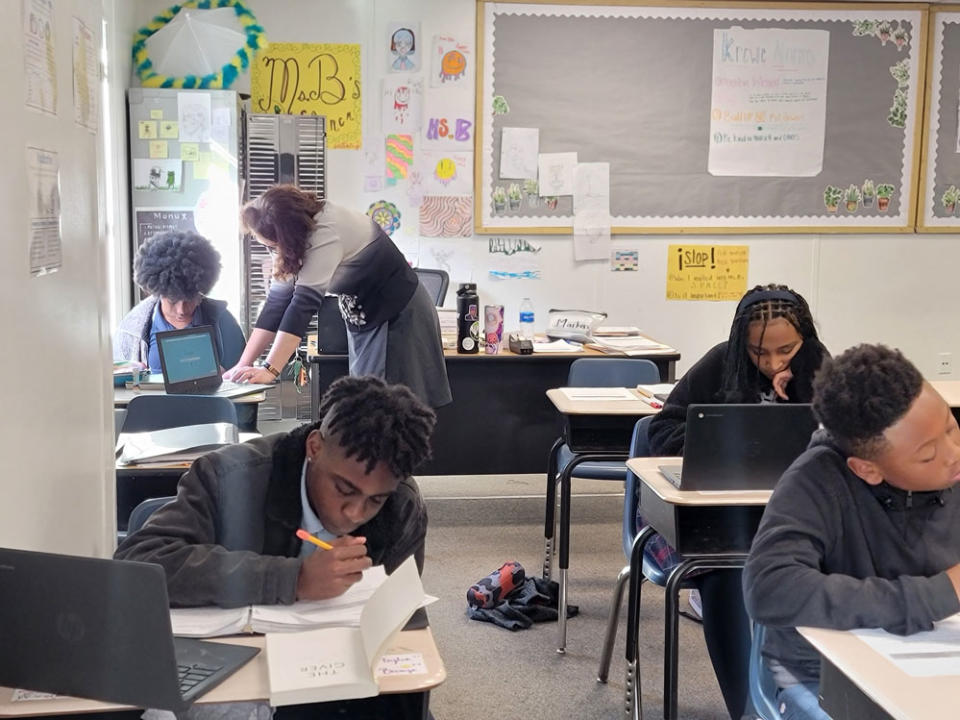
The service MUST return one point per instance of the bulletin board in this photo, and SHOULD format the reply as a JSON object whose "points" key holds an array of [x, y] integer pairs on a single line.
{"points": [[740, 118], [940, 172]]}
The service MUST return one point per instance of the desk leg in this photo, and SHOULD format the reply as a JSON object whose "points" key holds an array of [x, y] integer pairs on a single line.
{"points": [[314, 392], [550, 510], [671, 606], [632, 706]]}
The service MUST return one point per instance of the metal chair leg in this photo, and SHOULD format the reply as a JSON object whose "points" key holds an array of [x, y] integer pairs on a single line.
{"points": [[632, 705], [612, 621], [550, 508]]}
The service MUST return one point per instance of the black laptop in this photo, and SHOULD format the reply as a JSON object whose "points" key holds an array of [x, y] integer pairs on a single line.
{"points": [[740, 447], [100, 629], [189, 360]]}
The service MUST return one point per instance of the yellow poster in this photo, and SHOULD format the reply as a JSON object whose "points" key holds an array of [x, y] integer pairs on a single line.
{"points": [[305, 79], [707, 272]]}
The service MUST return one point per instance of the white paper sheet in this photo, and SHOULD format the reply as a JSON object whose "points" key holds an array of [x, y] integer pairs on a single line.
{"points": [[556, 173], [591, 235], [452, 62], [40, 55], [768, 102], [193, 116], [447, 120], [402, 108], [924, 654], [556, 346], [444, 172], [591, 188], [519, 153], [601, 393], [404, 46]]}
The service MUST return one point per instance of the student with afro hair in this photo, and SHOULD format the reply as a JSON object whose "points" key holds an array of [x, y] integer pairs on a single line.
{"points": [[178, 269], [863, 530]]}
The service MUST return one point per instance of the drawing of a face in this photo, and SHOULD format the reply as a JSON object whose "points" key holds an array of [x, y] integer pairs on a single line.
{"points": [[401, 98], [453, 65], [446, 171], [402, 42]]}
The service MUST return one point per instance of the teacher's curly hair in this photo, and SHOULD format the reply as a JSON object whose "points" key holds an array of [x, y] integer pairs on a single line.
{"points": [[284, 216]]}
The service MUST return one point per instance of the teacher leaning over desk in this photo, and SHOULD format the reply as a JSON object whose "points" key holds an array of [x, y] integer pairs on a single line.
{"points": [[319, 247]]}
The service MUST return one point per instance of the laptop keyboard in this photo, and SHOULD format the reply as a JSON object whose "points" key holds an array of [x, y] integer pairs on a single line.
{"points": [[193, 675]]}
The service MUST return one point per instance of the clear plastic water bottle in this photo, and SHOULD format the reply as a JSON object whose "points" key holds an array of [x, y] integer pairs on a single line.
{"points": [[526, 318]]}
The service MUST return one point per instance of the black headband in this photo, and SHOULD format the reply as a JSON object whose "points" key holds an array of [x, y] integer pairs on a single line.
{"points": [[764, 295]]}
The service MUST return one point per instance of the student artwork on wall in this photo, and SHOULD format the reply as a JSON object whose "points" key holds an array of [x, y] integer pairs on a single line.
{"points": [[193, 116], [707, 272], [758, 117], [157, 174], [513, 259], [448, 216], [403, 47], [312, 79], [555, 172], [446, 173], [448, 120], [399, 157], [402, 104], [625, 261], [452, 62], [386, 215], [519, 151]]}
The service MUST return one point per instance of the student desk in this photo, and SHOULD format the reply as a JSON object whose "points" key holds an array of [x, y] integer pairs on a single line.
{"points": [[499, 421], [711, 529], [123, 396], [250, 682], [857, 682], [593, 430]]}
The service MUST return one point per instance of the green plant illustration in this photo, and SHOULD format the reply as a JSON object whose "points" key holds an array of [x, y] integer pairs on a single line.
{"points": [[949, 199], [884, 193], [831, 197], [852, 198], [500, 106], [897, 116], [901, 73], [531, 188], [868, 193], [900, 37], [864, 28], [514, 196], [499, 197], [883, 31]]}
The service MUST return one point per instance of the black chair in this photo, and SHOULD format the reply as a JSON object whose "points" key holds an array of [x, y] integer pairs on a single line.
{"points": [[436, 283], [142, 512], [159, 412]]}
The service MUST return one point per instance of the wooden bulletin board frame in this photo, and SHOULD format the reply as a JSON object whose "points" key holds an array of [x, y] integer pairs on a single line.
{"points": [[940, 163], [544, 112]]}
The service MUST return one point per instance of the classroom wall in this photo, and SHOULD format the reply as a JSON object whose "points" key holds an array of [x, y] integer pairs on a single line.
{"points": [[57, 435], [895, 289]]}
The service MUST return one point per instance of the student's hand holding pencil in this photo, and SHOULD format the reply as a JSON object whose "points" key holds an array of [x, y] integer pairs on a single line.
{"points": [[329, 573]]}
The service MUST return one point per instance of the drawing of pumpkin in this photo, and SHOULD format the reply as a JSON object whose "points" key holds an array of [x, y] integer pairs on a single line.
{"points": [[453, 65]]}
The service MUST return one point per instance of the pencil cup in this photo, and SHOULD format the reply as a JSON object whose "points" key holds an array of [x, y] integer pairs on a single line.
{"points": [[493, 328]]}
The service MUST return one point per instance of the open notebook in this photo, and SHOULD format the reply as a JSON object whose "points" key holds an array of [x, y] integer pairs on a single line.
{"points": [[341, 611]]}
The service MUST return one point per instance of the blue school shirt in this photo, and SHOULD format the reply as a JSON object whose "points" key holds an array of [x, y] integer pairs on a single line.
{"points": [[308, 518], [159, 324]]}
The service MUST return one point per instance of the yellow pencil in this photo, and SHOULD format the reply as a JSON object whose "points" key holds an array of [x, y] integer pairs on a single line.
{"points": [[307, 537]]}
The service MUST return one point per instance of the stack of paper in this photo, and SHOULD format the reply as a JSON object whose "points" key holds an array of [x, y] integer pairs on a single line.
{"points": [[636, 345], [615, 331], [557, 346], [600, 394], [924, 654], [170, 443]]}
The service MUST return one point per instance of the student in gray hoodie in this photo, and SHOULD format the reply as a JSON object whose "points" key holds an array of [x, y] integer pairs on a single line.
{"points": [[863, 530]]}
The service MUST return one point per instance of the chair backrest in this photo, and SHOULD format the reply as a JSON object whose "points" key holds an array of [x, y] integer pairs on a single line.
{"points": [[611, 372], [159, 412], [146, 508], [639, 447], [436, 283], [763, 689]]}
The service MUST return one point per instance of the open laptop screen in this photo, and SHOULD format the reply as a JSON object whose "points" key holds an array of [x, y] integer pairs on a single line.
{"points": [[188, 355]]}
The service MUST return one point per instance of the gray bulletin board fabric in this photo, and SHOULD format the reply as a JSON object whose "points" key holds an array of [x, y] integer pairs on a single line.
{"points": [[939, 206], [631, 86]]}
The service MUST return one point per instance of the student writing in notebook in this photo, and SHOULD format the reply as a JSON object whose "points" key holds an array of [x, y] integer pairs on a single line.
{"points": [[863, 530], [771, 356], [229, 538], [178, 269]]}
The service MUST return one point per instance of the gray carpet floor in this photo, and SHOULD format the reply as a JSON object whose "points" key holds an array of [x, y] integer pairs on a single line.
{"points": [[478, 524]]}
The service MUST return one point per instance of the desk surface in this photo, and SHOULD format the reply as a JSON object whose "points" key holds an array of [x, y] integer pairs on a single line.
{"points": [[904, 697], [567, 406], [123, 396], [505, 354], [648, 470], [250, 682]]}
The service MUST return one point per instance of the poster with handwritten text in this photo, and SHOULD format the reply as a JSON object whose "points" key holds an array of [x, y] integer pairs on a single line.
{"points": [[707, 272], [769, 102], [311, 79]]}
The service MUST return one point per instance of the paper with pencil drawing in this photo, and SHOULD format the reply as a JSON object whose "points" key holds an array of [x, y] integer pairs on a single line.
{"points": [[924, 654]]}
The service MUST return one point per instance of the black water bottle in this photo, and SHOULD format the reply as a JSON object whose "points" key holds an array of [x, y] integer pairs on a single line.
{"points": [[468, 319]]}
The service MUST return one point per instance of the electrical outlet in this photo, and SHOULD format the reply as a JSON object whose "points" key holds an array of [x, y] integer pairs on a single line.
{"points": [[945, 363]]}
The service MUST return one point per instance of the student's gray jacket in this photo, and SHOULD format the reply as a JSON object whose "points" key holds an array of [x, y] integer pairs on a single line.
{"points": [[228, 538], [835, 552]]}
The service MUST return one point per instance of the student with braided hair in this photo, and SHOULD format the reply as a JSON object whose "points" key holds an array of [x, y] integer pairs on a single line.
{"points": [[771, 355]]}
